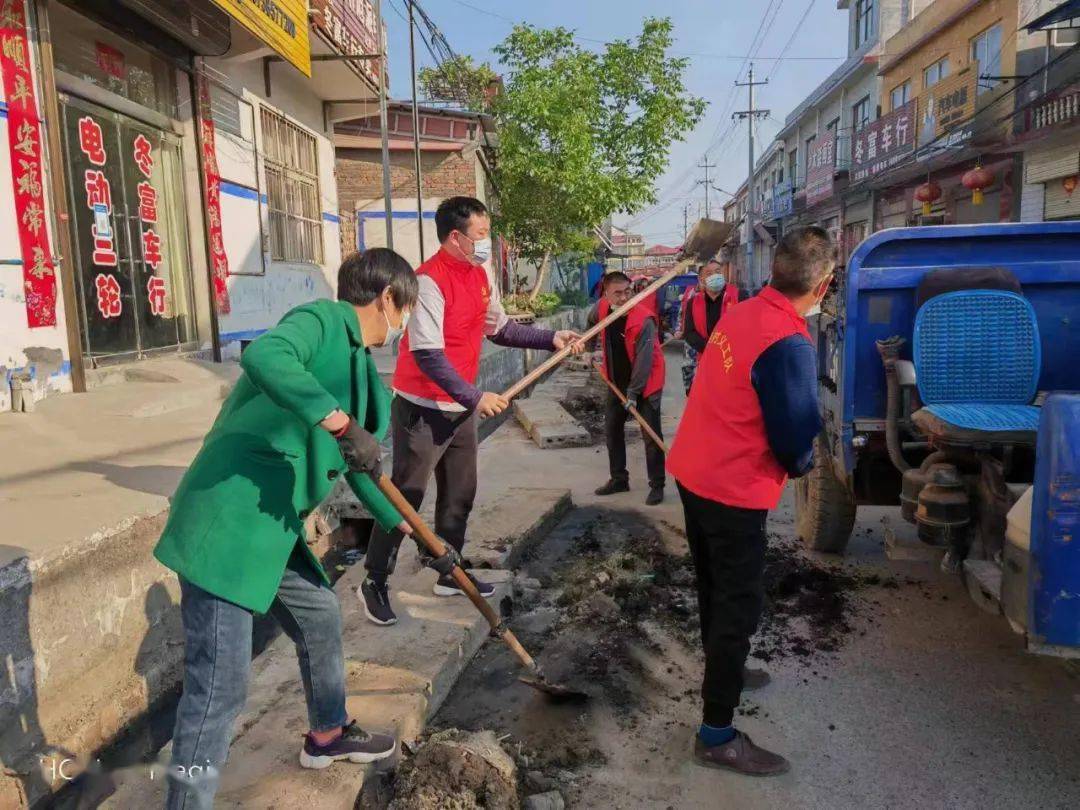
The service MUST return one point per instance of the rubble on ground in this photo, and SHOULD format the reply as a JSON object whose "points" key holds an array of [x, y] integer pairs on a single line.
{"points": [[457, 770]]}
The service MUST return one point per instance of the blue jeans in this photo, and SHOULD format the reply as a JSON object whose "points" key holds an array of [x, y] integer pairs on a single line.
{"points": [[217, 661]]}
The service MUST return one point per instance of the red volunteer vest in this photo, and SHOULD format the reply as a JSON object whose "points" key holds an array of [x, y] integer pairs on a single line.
{"points": [[635, 319], [466, 294], [721, 451], [729, 298]]}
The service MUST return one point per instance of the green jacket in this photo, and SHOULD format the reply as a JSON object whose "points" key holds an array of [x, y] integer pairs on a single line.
{"points": [[239, 510]]}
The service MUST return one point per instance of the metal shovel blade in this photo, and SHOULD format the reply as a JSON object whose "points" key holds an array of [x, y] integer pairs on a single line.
{"points": [[556, 692], [705, 239]]}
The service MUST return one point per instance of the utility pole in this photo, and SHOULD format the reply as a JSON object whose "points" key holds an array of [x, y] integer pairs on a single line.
{"points": [[388, 203], [416, 133], [750, 115], [706, 166]]}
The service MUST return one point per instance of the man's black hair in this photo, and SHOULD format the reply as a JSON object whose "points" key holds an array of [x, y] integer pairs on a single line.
{"points": [[363, 276], [615, 275], [453, 214]]}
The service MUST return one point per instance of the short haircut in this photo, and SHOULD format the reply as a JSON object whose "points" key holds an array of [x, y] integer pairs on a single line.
{"points": [[453, 214], [615, 275], [802, 259], [363, 276]]}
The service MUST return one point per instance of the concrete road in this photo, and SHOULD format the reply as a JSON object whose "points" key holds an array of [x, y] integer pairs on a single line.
{"points": [[930, 703]]}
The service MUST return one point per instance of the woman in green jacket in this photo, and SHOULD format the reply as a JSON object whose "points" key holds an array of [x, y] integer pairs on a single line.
{"points": [[309, 407]]}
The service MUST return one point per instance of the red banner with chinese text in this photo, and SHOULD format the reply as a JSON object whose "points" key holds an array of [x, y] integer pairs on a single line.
{"points": [[25, 142], [219, 270]]}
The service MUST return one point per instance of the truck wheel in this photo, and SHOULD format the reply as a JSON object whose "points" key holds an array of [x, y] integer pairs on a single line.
{"points": [[824, 507]]}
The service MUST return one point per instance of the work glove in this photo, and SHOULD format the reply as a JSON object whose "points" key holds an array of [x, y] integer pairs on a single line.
{"points": [[631, 402], [360, 449]]}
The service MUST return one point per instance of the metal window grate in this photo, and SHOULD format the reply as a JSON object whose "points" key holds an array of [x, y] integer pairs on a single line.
{"points": [[292, 189]]}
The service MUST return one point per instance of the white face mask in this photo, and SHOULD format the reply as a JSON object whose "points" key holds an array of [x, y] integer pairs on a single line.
{"points": [[394, 332], [814, 310], [481, 250], [715, 283]]}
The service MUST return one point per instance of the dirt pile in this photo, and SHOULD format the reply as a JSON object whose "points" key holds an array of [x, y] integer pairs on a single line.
{"points": [[588, 409], [457, 770], [811, 608], [619, 576]]}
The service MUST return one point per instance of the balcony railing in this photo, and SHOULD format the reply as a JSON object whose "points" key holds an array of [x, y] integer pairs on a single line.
{"points": [[1062, 106]]}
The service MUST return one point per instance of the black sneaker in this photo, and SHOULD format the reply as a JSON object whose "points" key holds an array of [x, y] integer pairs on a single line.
{"points": [[446, 586], [613, 486], [655, 496], [376, 599], [354, 744]]}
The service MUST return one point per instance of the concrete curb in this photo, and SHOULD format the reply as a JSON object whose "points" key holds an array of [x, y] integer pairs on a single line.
{"points": [[396, 677]]}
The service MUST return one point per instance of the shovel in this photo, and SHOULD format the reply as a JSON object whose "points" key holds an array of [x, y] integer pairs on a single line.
{"points": [[445, 561], [706, 238], [634, 412]]}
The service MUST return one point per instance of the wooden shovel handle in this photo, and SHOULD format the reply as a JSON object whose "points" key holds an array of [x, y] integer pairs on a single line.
{"points": [[633, 411], [562, 353], [437, 548]]}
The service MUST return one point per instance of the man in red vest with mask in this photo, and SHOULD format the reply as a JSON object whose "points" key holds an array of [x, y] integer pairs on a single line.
{"points": [[634, 362], [749, 423], [716, 294], [434, 413]]}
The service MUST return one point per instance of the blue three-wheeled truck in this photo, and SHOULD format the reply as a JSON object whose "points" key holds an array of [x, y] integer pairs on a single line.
{"points": [[949, 374]]}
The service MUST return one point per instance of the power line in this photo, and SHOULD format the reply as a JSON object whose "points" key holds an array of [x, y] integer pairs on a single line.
{"points": [[794, 33], [697, 54]]}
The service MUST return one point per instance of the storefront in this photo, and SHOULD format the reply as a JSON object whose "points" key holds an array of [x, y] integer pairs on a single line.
{"points": [[127, 145]]}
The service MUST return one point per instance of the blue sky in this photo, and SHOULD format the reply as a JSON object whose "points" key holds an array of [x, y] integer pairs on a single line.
{"points": [[715, 34]]}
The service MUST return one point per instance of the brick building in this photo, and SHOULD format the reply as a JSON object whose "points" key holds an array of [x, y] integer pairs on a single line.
{"points": [[452, 149]]}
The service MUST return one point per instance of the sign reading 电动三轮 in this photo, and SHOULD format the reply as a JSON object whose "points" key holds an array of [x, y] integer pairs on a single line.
{"points": [[281, 24]]}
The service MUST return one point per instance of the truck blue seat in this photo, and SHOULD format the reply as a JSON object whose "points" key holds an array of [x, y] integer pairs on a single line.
{"points": [[977, 360]]}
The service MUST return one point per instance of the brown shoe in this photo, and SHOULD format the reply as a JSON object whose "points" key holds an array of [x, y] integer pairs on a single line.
{"points": [[740, 755]]}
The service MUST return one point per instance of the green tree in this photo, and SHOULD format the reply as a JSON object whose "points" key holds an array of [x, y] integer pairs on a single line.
{"points": [[460, 79], [583, 134]]}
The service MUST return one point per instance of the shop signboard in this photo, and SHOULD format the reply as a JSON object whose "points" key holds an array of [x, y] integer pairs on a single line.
{"points": [[946, 111], [281, 24], [782, 204], [351, 26], [883, 143], [820, 168]]}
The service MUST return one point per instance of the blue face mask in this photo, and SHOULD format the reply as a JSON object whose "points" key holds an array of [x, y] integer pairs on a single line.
{"points": [[715, 283]]}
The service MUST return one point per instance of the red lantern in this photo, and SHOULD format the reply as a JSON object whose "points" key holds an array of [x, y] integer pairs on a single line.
{"points": [[1069, 184], [927, 194], [977, 179]]}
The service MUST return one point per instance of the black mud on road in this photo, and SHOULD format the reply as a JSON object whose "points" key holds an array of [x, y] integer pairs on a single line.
{"points": [[615, 615]]}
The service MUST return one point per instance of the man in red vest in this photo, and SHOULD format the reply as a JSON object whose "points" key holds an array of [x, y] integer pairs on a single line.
{"points": [[434, 413], [634, 362], [749, 423], [703, 307]]}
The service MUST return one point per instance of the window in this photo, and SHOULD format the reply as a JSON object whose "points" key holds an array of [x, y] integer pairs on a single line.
{"points": [[793, 165], [292, 186], [860, 113], [833, 125], [864, 21], [1064, 37], [986, 51], [900, 96], [935, 73]]}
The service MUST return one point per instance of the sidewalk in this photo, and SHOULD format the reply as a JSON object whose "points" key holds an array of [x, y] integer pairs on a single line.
{"points": [[91, 632]]}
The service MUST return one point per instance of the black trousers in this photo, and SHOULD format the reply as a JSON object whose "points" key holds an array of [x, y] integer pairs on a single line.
{"points": [[615, 416], [426, 441], [727, 545]]}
